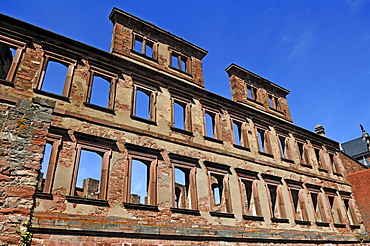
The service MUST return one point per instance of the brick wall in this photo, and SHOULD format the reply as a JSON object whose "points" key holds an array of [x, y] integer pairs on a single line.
{"points": [[360, 187], [24, 127]]}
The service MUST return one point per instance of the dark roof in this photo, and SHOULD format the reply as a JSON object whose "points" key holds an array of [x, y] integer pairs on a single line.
{"points": [[355, 147]]}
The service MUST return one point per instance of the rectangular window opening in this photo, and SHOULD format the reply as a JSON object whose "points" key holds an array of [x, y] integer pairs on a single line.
{"points": [[179, 116], [210, 126], [237, 133], [139, 182], [88, 174], [100, 91], [261, 139], [282, 146], [181, 188], [44, 166], [143, 104], [138, 44], [55, 74], [149, 49], [7, 54]]}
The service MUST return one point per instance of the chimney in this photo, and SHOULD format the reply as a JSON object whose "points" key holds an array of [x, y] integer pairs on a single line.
{"points": [[319, 129]]}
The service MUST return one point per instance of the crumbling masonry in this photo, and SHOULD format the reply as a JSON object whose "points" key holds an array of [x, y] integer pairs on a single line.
{"points": [[127, 148]]}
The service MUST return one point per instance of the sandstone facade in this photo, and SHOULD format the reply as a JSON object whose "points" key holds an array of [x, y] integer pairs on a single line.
{"points": [[127, 148]]}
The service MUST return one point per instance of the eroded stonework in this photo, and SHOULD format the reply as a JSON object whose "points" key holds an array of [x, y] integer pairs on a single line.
{"points": [[150, 157]]}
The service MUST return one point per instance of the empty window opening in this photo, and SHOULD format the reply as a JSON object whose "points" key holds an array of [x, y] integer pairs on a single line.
{"points": [[88, 175], [183, 64], [251, 92], [273, 198], [143, 46], [350, 214], [179, 115], [216, 194], [282, 146], [210, 124], [179, 61], [334, 164], [44, 166], [55, 77], [261, 139], [251, 199], [138, 46], [237, 133], [271, 102], [299, 205], [318, 207], [318, 158], [139, 182], [6, 59], [142, 104], [301, 151], [335, 209], [149, 49], [181, 188], [100, 91]]}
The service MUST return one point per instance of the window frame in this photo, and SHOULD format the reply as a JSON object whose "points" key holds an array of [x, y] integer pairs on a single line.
{"points": [[187, 113], [265, 142], [190, 165], [252, 210], [152, 95], [56, 141], [106, 154], [301, 203], [135, 152], [68, 62], [280, 215], [180, 58], [319, 211], [243, 134], [144, 41], [220, 172], [19, 47], [215, 124], [111, 78]]}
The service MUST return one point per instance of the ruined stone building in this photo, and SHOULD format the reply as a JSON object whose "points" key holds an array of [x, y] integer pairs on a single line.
{"points": [[134, 151]]}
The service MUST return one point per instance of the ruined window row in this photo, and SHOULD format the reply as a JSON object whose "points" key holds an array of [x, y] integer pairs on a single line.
{"points": [[90, 179], [101, 92], [253, 93]]}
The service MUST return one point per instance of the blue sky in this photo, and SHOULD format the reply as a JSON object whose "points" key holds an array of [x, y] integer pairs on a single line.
{"points": [[319, 50]]}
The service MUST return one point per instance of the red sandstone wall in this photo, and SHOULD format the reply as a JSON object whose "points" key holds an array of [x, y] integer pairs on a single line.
{"points": [[360, 182]]}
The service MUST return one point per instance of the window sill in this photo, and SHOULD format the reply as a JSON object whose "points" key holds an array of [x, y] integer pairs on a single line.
{"points": [[49, 94], [266, 154], [100, 108], [46, 196], [275, 110], [139, 206], [254, 101], [185, 211], [340, 225], [181, 71], [213, 139], [287, 160], [251, 217], [143, 120], [324, 224], [241, 147], [355, 227], [88, 201], [278, 220], [144, 56], [306, 165], [179, 130], [338, 174], [302, 222], [224, 215], [6, 82], [323, 170]]}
